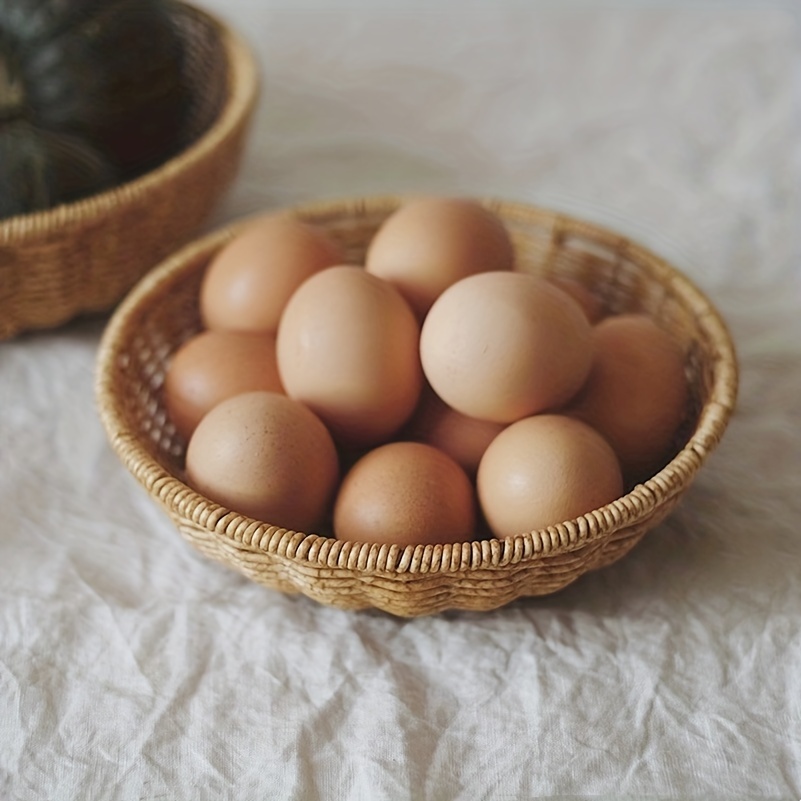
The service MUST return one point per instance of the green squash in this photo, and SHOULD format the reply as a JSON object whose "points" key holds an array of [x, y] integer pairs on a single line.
{"points": [[99, 86], [40, 169]]}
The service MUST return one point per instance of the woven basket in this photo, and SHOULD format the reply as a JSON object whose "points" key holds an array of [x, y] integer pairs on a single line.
{"points": [[162, 312], [83, 257]]}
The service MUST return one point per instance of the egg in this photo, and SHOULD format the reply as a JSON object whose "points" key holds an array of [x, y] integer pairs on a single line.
{"points": [[504, 345], [591, 304], [248, 283], [430, 243], [213, 366], [266, 456], [544, 470], [463, 438], [405, 493], [347, 347], [637, 391]]}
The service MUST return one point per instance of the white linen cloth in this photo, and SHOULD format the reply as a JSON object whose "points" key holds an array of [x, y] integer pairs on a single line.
{"points": [[132, 668]]}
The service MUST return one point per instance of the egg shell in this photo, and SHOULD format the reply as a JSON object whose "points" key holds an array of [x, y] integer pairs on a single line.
{"points": [[430, 243], [501, 346], [591, 304], [405, 493], [637, 392], [213, 366], [463, 438], [348, 347], [544, 470], [266, 456], [247, 285]]}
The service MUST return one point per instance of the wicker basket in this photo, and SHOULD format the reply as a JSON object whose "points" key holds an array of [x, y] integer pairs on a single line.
{"points": [[162, 312], [83, 257]]}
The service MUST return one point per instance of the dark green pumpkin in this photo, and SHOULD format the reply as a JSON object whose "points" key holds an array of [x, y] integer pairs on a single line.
{"points": [[40, 169], [88, 89]]}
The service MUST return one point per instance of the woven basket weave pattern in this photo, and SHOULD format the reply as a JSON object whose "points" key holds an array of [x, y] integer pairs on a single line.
{"points": [[84, 256], [162, 312]]}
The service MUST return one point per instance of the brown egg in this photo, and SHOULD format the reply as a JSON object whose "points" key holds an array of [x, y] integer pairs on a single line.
{"points": [[501, 346], [348, 348], [463, 438], [636, 395], [265, 456], [405, 493], [544, 470], [591, 304], [213, 366], [430, 243], [248, 283]]}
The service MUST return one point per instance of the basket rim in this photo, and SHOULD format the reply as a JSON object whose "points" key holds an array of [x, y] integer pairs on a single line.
{"points": [[242, 92], [316, 551]]}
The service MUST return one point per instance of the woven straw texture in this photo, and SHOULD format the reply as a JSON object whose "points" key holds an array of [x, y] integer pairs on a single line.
{"points": [[83, 257], [162, 312]]}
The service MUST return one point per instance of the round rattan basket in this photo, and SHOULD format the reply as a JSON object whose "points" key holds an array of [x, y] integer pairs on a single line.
{"points": [[162, 311], [82, 257]]}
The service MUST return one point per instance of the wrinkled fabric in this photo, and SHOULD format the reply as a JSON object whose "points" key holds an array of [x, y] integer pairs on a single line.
{"points": [[133, 668]]}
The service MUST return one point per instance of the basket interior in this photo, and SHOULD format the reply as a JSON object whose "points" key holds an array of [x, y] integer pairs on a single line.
{"points": [[205, 71]]}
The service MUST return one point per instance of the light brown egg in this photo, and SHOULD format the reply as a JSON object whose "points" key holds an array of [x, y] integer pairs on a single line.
{"points": [[463, 438], [348, 348], [501, 346], [637, 392], [248, 283], [213, 366], [405, 493], [430, 243], [544, 470], [591, 304], [265, 456]]}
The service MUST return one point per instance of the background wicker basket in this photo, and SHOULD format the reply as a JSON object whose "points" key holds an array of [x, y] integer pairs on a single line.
{"points": [[83, 257], [162, 312]]}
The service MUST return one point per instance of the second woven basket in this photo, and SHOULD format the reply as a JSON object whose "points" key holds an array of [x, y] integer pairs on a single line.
{"points": [[83, 257]]}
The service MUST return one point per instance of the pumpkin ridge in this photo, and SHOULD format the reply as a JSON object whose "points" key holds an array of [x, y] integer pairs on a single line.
{"points": [[12, 88]]}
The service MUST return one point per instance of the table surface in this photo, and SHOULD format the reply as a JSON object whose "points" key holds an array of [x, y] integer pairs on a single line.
{"points": [[133, 668]]}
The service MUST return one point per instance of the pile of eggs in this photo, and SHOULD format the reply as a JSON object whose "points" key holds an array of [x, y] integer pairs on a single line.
{"points": [[420, 396]]}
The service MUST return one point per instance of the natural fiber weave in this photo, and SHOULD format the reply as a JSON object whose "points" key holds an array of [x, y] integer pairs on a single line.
{"points": [[162, 311], [83, 257]]}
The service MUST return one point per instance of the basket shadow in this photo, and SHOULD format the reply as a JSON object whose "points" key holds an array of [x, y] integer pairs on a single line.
{"points": [[687, 559]]}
